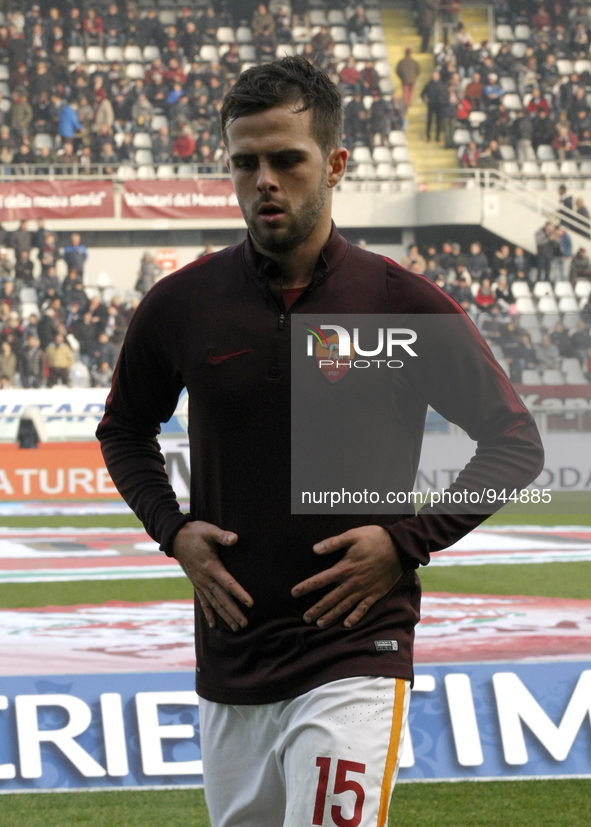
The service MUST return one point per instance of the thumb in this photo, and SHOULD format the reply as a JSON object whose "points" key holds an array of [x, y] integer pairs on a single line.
{"points": [[221, 536]]}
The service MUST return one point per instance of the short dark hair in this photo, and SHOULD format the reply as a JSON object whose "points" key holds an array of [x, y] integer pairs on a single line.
{"points": [[291, 80]]}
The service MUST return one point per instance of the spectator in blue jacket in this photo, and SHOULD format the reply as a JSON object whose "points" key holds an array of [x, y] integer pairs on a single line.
{"points": [[69, 124], [75, 255]]}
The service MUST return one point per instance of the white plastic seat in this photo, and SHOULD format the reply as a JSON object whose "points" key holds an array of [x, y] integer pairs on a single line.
{"points": [[543, 288], [378, 51], [530, 169], [524, 304], [582, 288], [549, 321], [569, 363], [243, 34], [185, 171], [383, 69], [76, 54], [545, 153], [504, 33], [125, 172], [397, 138], [461, 136], [520, 289], [565, 67], [400, 154], [562, 289], [42, 139], [165, 171], [361, 155], [511, 168], [507, 84], [142, 140], [552, 377], [151, 52], [575, 376], [364, 171], [405, 171], [476, 118], [341, 51], [167, 17], [113, 53], [529, 376], [367, 101], [386, 86], [158, 121], [28, 295], [361, 51], [507, 152], [208, 52], [522, 32], [318, 17], [135, 71], [570, 320], [285, 50], [143, 156], [512, 102], [549, 168], [132, 54], [300, 34], [381, 154], [246, 52], [568, 167], [385, 170], [582, 66], [376, 34], [225, 34], [518, 49], [145, 172], [336, 17], [339, 34], [568, 304]]}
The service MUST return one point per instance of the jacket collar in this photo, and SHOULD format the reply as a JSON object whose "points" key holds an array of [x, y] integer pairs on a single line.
{"points": [[330, 257]]}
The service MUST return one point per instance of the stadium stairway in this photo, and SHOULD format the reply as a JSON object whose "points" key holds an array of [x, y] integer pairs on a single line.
{"points": [[400, 32]]}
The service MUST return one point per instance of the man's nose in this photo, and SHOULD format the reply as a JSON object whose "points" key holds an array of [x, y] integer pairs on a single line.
{"points": [[267, 180]]}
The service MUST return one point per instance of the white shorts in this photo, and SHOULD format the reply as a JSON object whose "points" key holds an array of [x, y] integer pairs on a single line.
{"points": [[329, 757]]}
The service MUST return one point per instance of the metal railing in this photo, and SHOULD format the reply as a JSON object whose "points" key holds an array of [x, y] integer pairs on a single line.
{"points": [[118, 171]]}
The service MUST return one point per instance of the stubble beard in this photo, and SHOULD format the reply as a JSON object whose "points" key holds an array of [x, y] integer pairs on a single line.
{"points": [[285, 239]]}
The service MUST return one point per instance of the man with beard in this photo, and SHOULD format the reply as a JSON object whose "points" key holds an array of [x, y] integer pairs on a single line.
{"points": [[278, 667]]}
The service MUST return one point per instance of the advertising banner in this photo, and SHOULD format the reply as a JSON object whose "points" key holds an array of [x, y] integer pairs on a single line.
{"points": [[180, 199], [56, 199], [466, 721]]}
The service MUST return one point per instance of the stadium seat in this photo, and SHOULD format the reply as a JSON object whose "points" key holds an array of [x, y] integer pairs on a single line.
{"points": [[132, 54], [565, 67], [549, 168], [341, 51], [135, 71], [361, 51], [545, 153], [243, 35], [125, 172], [4, 72], [582, 288], [507, 152], [207, 53], [520, 289], [336, 17], [461, 136], [476, 118], [285, 50], [524, 305], [158, 121], [104, 280], [543, 288], [575, 375], [145, 172], [142, 140], [552, 377], [113, 53], [118, 138], [585, 168], [530, 169], [143, 156], [364, 170], [318, 17], [42, 139], [167, 17], [76, 54], [530, 376], [381, 154], [151, 53], [373, 16], [568, 304], [507, 84], [378, 51], [570, 320], [549, 320], [397, 138], [361, 155], [376, 35], [300, 34], [405, 171], [367, 101], [95, 54], [28, 295], [165, 171], [568, 168], [339, 34], [562, 289], [582, 66], [383, 69], [386, 86], [504, 33], [385, 170], [225, 35], [185, 171], [511, 168], [512, 102], [400, 154], [247, 52], [522, 32], [518, 50]]}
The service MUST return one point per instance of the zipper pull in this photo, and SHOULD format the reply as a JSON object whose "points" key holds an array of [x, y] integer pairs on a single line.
{"points": [[281, 324]]}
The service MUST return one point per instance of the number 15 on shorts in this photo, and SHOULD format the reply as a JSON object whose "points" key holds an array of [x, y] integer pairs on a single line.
{"points": [[346, 778]]}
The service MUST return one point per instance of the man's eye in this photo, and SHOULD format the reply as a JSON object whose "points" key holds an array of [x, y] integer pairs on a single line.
{"points": [[245, 164]]}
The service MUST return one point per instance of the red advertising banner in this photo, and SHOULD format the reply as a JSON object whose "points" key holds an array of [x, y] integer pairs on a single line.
{"points": [[56, 199], [180, 199]]}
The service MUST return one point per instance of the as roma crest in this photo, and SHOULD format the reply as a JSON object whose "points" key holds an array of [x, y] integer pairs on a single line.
{"points": [[332, 365]]}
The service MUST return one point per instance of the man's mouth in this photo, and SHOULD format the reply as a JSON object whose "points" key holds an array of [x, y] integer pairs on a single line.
{"points": [[270, 212]]}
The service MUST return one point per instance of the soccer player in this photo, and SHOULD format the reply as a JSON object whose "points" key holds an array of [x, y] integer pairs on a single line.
{"points": [[303, 623]]}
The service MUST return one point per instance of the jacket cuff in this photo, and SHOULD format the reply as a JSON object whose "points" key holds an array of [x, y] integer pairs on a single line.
{"points": [[167, 542]]}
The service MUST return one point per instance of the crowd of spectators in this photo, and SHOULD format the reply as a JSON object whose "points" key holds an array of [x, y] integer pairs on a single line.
{"points": [[489, 286], [92, 87], [52, 329], [524, 97]]}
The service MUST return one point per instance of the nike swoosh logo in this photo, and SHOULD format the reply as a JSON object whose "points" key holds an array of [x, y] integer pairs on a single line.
{"points": [[215, 360]]}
